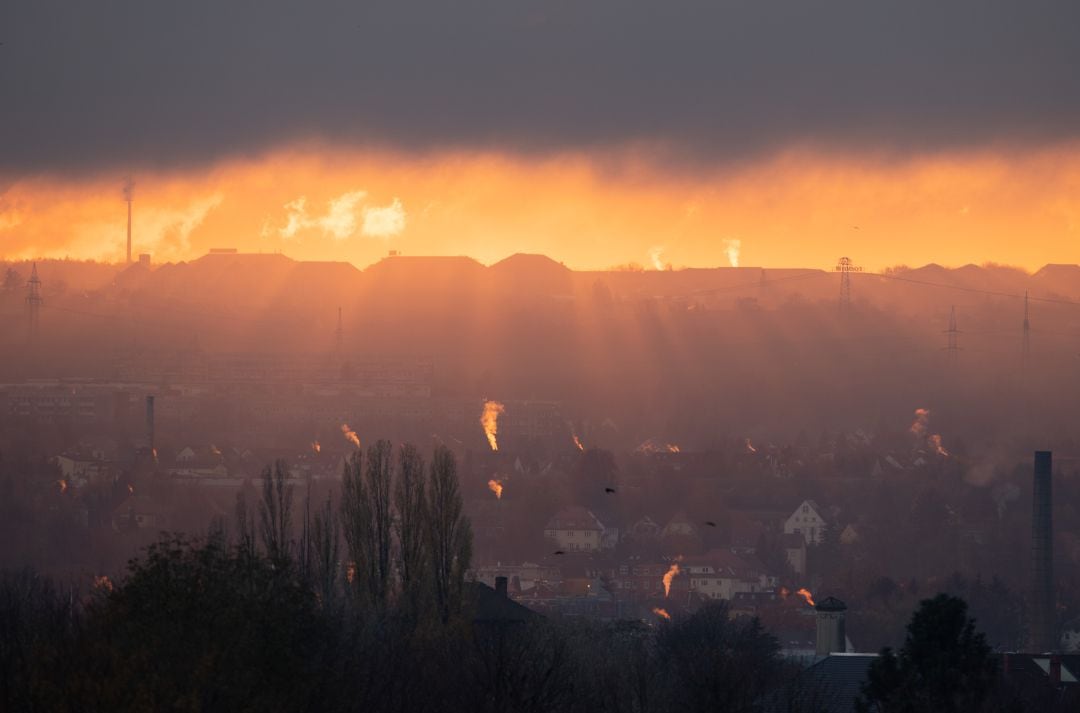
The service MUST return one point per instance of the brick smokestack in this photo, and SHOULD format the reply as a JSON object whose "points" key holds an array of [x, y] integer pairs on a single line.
{"points": [[1042, 609]]}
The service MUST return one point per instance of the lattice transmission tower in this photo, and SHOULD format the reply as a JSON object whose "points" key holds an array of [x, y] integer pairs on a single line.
{"points": [[33, 305], [845, 266]]}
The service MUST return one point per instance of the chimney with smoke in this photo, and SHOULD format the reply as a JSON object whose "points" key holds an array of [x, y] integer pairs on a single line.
{"points": [[831, 629], [1042, 557], [150, 423]]}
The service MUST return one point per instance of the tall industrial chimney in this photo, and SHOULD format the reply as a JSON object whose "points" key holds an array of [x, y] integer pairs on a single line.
{"points": [[150, 423], [129, 195], [1043, 617], [831, 628]]}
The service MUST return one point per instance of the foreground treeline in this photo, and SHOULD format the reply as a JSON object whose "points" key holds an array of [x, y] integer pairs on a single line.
{"points": [[363, 605], [355, 605]]}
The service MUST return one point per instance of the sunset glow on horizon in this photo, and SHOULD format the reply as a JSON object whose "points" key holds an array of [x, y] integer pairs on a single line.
{"points": [[797, 209]]}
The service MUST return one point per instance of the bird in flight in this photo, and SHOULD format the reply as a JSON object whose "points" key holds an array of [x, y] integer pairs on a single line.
{"points": [[559, 552], [710, 523], [609, 491]]}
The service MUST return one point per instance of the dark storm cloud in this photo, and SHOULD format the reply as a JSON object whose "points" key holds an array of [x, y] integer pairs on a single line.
{"points": [[103, 83]]}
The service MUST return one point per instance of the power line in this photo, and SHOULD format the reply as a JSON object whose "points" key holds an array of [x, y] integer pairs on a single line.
{"points": [[952, 349], [971, 289]]}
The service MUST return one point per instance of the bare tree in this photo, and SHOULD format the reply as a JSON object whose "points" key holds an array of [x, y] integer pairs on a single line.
{"points": [[411, 507], [379, 482], [275, 514], [245, 527], [325, 551], [356, 524], [449, 533]]}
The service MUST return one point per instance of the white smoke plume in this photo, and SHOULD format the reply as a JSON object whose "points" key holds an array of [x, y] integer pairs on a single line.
{"points": [[384, 221], [732, 247], [344, 218]]}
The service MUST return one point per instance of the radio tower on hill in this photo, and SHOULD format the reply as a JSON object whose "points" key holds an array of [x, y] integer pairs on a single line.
{"points": [[33, 305], [845, 267], [129, 195]]}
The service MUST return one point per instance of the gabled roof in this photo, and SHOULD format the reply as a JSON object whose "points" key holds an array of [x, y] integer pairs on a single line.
{"points": [[489, 606], [820, 511], [574, 517]]}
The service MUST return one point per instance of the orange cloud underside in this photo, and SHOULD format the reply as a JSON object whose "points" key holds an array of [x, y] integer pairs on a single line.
{"points": [[798, 209]]}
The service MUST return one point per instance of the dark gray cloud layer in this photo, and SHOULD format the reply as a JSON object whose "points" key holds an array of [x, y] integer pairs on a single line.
{"points": [[88, 84]]}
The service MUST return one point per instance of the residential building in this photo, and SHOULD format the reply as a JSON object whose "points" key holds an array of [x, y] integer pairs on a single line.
{"points": [[575, 529], [809, 521]]}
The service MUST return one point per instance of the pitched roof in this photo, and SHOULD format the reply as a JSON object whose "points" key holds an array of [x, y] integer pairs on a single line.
{"points": [[487, 605], [574, 517], [831, 685]]}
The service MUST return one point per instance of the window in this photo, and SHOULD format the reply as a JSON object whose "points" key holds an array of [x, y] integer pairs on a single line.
{"points": [[805, 509]]}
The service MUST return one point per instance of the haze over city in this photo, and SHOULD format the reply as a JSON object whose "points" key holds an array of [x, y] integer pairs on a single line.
{"points": [[539, 356]]}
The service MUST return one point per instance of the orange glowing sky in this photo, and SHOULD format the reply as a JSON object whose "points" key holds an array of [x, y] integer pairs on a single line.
{"points": [[798, 208]]}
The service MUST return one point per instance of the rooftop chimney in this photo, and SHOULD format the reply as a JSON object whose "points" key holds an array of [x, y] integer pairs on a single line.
{"points": [[500, 586], [1042, 557], [831, 632]]}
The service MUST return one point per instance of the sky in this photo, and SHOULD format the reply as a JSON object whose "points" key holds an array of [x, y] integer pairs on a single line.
{"points": [[602, 133]]}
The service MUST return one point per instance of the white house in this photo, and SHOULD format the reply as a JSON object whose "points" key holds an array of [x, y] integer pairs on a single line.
{"points": [[808, 521], [720, 574], [576, 529]]}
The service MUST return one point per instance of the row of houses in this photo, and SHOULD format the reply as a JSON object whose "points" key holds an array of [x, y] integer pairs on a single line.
{"points": [[577, 529]]}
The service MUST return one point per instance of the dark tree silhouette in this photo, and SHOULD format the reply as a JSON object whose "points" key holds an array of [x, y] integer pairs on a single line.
{"points": [[410, 507], [357, 519], [715, 663], [944, 665], [449, 533], [380, 476], [275, 513]]}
